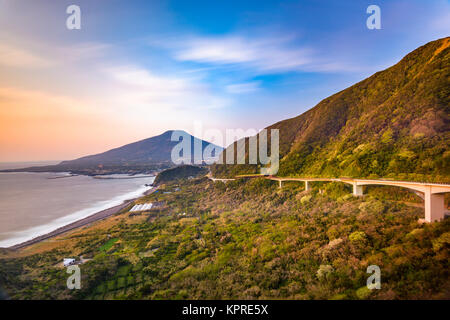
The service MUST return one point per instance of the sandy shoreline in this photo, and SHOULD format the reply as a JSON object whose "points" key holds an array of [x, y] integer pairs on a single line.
{"points": [[79, 223]]}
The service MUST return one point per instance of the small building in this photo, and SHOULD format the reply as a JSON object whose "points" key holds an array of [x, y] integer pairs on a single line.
{"points": [[142, 207], [68, 261]]}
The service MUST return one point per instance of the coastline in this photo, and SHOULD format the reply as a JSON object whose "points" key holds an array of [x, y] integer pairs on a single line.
{"points": [[100, 215]]}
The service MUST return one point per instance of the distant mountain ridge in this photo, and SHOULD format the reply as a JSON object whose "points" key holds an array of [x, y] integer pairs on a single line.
{"points": [[149, 154], [152, 150], [392, 124]]}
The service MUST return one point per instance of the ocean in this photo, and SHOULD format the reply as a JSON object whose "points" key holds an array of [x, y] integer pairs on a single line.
{"points": [[33, 204]]}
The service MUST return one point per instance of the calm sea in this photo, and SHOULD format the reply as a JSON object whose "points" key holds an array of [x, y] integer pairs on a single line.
{"points": [[32, 204]]}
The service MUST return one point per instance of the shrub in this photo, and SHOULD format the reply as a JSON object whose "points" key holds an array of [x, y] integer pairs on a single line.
{"points": [[441, 242], [358, 237], [340, 296], [363, 293], [305, 199], [324, 271], [374, 207], [415, 233]]}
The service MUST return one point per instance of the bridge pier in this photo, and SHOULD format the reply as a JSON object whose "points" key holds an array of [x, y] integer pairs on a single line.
{"points": [[357, 190], [433, 193], [434, 206], [307, 187], [280, 184]]}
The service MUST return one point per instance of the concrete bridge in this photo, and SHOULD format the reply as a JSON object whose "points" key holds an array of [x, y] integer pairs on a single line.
{"points": [[222, 180], [210, 177], [432, 193]]}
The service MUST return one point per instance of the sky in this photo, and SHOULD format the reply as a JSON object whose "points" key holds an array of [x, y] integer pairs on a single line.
{"points": [[138, 68]]}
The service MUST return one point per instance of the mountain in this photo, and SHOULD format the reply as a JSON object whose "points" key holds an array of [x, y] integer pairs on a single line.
{"points": [[148, 151], [392, 124], [152, 153]]}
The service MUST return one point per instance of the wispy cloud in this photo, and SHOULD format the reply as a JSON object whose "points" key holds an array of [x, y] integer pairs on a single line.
{"points": [[36, 56], [86, 50], [268, 55], [12, 56], [246, 87], [256, 53], [164, 92]]}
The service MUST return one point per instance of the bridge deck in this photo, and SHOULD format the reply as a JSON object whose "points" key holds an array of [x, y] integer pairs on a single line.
{"points": [[433, 192]]}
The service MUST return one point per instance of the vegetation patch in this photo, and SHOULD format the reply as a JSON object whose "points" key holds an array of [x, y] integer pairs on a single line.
{"points": [[108, 245]]}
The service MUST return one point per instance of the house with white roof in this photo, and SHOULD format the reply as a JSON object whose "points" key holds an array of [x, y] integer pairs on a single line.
{"points": [[68, 261]]}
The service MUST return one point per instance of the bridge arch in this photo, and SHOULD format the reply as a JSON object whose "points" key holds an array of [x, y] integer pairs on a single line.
{"points": [[433, 193]]}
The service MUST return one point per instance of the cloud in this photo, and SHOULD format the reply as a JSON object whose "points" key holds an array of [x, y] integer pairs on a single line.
{"points": [[37, 103], [26, 56], [266, 55], [149, 90], [12, 56], [239, 88], [257, 54], [86, 50]]}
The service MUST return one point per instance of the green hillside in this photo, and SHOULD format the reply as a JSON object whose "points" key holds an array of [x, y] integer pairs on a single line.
{"points": [[392, 124], [246, 239], [180, 172]]}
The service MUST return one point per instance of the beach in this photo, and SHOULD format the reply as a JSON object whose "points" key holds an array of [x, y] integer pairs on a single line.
{"points": [[80, 223], [36, 204]]}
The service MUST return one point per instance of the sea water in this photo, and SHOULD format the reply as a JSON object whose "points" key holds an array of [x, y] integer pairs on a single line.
{"points": [[33, 204]]}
